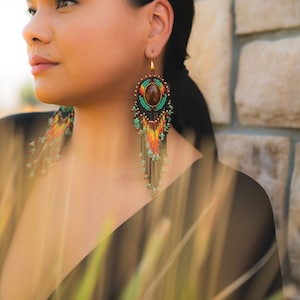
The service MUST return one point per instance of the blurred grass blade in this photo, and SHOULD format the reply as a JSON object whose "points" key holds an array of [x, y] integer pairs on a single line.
{"points": [[91, 278], [136, 286], [247, 275]]}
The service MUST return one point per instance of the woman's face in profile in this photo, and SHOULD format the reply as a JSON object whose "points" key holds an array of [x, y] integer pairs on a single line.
{"points": [[81, 50]]}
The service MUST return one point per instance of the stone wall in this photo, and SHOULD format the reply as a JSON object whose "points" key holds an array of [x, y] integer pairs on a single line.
{"points": [[245, 57]]}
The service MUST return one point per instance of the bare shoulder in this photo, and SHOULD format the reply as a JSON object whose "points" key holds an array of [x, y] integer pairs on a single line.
{"points": [[181, 155]]}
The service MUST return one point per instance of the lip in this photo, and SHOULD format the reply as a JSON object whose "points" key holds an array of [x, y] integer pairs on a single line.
{"points": [[39, 64]]}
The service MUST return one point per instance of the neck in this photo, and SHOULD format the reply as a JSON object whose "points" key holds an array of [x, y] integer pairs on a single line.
{"points": [[104, 134]]}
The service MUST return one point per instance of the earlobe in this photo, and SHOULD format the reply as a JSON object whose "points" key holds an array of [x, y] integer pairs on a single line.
{"points": [[161, 25]]}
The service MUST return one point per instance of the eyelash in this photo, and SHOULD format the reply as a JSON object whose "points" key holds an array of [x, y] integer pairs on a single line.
{"points": [[31, 12], [59, 4]]}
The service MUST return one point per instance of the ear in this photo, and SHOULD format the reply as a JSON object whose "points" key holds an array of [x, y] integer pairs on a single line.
{"points": [[161, 19]]}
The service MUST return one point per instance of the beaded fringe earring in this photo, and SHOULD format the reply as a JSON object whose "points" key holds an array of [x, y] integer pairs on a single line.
{"points": [[152, 118], [47, 149]]}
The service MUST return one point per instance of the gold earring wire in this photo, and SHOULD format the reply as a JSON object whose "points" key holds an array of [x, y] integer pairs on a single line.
{"points": [[152, 68]]}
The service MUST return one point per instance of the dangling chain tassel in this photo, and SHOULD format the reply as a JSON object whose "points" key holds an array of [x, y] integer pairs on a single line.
{"points": [[152, 118], [47, 149]]}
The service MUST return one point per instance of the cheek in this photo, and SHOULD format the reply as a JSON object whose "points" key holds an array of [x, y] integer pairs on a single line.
{"points": [[103, 41], [99, 57], [95, 58]]}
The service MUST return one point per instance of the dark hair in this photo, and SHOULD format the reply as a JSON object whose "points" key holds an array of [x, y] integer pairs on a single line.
{"points": [[190, 108]]}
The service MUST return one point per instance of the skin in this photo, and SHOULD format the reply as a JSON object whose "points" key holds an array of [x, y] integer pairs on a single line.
{"points": [[101, 42], [102, 48]]}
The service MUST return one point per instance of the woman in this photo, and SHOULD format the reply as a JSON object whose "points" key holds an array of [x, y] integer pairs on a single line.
{"points": [[89, 223]]}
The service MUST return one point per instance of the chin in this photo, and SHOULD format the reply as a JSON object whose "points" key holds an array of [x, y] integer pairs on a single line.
{"points": [[48, 100], [52, 97]]}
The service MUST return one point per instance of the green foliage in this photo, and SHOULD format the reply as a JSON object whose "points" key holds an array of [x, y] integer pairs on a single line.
{"points": [[277, 296], [27, 95]]}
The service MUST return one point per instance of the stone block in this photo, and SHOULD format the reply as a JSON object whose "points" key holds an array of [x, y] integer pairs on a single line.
{"points": [[266, 15], [294, 219], [210, 54], [264, 158], [268, 89]]}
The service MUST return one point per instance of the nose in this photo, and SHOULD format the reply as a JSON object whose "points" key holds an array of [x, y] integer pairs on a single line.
{"points": [[37, 31]]}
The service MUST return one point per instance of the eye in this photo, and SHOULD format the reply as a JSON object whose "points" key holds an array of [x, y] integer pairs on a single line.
{"points": [[31, 12], [65, 3]]}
